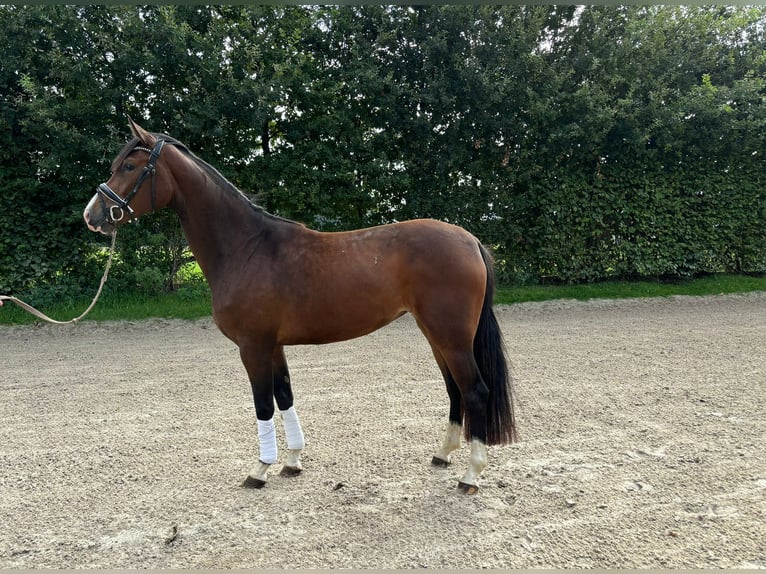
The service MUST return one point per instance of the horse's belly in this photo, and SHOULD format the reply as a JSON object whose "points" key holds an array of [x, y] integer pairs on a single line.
{"points": [[331, 322]]}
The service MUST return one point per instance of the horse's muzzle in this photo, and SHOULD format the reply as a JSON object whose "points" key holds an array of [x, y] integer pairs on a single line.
{"points": [[96, 218]]}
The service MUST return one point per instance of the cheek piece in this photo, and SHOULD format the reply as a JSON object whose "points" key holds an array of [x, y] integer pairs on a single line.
{"points": [[116, 212]]}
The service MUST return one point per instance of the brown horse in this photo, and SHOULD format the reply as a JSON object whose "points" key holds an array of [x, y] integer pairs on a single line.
{"points": [[275, 282]]}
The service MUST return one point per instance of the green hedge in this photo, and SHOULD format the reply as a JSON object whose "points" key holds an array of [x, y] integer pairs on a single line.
{"points": [[636, 223], [584, 143]]}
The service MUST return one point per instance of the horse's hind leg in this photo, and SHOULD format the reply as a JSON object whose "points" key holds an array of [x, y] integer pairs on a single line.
{"points": [[475, 395], [452, 346], [455, 422], [283, 394]]}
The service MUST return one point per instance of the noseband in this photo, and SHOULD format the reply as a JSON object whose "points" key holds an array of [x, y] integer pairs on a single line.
{"points": [[116, 212]]}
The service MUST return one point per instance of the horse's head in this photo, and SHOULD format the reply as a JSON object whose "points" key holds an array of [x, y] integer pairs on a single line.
{"points": [[137, 186]]}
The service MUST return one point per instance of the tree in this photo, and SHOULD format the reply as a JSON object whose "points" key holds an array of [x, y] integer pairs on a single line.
{"points": [[582, 143], [52, 114]]}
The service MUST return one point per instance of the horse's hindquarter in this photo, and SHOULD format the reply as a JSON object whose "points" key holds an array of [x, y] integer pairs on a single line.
{"points": [[337, 286]]}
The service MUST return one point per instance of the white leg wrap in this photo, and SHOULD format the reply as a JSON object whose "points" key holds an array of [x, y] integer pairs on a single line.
{"points": [[293, 432], [267, 439]]}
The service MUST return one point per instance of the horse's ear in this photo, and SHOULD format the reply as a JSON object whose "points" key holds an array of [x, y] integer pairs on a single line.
{"points": [[146, 138]]}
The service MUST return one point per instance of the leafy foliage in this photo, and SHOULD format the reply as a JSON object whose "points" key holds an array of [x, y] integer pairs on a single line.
{"points": [[583, 143]]}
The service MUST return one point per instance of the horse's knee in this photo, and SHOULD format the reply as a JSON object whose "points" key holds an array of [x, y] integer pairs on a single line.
{"points": [[283, 394]]}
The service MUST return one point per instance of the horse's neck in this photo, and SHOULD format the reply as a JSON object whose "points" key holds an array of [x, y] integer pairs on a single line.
{"points": [[217, 224]]}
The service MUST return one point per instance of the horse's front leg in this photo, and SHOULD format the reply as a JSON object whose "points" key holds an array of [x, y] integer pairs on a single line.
{"points": [[257, 361], [283, 393]]}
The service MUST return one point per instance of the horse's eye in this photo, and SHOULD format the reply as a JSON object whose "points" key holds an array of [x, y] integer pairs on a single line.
{"points": [[128, 167]]}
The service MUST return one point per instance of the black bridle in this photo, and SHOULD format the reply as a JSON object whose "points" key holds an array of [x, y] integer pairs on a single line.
{"points": [[122, 204]]}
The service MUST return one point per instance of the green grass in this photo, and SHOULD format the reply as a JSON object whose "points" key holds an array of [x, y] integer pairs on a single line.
{"points": [[194, 304], [710, 285], [116, 308]]}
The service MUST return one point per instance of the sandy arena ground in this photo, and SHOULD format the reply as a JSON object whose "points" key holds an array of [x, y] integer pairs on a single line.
{"points": [[643, 424]]}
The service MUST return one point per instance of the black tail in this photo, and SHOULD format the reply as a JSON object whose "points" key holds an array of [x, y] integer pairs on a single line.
{"points": [[489, 351]]}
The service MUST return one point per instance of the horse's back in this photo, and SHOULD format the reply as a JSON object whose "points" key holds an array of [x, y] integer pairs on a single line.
{"points": [[408, 256], [342, 285]]}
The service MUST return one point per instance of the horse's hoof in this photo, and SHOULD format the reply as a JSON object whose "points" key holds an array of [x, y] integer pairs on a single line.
{"points": [[290, 471], [251, 482], [468, 488], [436, 461]]}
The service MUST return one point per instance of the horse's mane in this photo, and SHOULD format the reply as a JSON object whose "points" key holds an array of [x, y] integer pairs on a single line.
{"points": [[212, 172]]}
